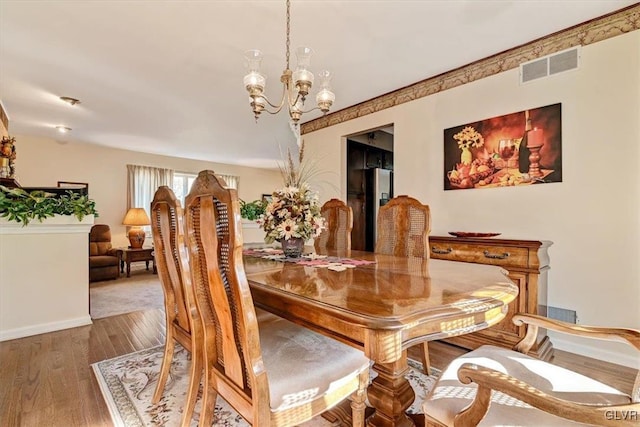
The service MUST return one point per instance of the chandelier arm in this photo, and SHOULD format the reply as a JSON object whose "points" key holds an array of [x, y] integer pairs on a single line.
{"points": [[308, 111], [295, 101], [284, 97], [273, 113], [277, 108]]}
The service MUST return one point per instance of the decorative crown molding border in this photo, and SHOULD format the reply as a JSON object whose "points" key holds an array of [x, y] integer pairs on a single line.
{"points": [[614, 24]]}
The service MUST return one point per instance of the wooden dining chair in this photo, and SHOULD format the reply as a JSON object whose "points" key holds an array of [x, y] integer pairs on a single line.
{"points": [[273, 373], [493, 386], [339, 222], [182, 322], [403, 230]]}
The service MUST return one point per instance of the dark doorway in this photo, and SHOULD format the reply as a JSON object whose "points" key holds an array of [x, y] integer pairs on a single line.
{"points": [[369, 182]]}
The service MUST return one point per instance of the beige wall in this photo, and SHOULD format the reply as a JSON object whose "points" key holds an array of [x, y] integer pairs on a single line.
{"points": [[593, 216], [44, 162]]}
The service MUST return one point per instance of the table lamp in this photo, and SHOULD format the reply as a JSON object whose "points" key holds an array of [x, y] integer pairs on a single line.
{"points": [[136, 218]]}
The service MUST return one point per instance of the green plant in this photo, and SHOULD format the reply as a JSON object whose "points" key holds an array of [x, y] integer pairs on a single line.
{"points": [[21, 206], [251, 210]]}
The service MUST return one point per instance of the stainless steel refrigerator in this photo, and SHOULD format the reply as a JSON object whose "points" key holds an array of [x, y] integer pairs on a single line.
{"points": [[378, 192]]}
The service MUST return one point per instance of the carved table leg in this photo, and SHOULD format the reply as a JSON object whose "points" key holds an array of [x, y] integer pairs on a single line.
{"points": [[391, 394]]}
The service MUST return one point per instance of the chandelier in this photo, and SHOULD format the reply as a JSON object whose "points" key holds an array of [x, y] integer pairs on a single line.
{"points": [[296, 84]]}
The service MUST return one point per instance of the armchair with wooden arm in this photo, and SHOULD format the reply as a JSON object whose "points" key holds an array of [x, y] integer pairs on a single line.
{"points": [[495, 386]]}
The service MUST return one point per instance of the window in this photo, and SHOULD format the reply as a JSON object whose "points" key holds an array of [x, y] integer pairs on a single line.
{"points": [[182, 183]]}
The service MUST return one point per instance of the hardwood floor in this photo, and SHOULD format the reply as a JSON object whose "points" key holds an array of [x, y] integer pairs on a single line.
{"points": [[47, 380]]}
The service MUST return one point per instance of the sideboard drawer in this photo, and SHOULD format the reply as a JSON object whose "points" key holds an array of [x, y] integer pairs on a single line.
{"points": [[527, 262], [505, 256]]}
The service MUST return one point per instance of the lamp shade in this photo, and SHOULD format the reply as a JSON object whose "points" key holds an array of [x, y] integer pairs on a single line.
{"points": [[136, 217]]}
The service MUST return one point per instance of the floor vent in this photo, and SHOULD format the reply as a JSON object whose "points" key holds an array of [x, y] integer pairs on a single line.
{"points": [[556, 63], [569, 316]]}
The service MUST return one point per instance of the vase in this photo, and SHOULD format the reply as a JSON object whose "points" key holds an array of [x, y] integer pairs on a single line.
{"points": [[466, 158], [292, 248]]}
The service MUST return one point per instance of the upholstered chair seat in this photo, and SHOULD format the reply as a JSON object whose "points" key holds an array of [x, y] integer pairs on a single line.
{"points": [[450, 395], [305, 375], [494, 386]]}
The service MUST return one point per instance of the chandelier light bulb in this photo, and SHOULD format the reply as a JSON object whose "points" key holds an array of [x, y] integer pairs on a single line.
{"points": [[63, 129], [302, 77], [325, 96], [254, 81]]}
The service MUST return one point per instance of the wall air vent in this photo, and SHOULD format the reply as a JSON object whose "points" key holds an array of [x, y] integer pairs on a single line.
{"points": [[569, 316], [549, 65]]}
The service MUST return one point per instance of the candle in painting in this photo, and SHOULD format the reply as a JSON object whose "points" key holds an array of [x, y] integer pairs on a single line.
{"points": [[535, 137]]}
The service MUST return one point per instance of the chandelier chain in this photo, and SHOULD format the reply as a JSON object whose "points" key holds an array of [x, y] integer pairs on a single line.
{"points": [[288, 29]]}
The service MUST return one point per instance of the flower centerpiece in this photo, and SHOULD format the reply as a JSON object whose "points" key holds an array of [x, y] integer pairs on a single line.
{"points": [[293, 214], [468, 137], [7, 157]]}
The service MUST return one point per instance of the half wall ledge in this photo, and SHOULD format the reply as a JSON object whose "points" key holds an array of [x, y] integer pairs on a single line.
{"points": [[44, 275]]}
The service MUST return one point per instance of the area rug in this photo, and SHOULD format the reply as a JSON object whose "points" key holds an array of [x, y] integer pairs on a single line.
{"points": [[128, 382], [141, 291]]}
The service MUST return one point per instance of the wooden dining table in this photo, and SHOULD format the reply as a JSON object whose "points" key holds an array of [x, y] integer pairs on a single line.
{"points": [[384, 308]]}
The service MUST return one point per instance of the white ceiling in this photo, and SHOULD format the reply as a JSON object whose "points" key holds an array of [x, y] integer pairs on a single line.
{"points": [[165, 77]]}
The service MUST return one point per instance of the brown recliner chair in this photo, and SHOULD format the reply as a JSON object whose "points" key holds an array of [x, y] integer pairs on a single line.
{"points": [[104, 260]]}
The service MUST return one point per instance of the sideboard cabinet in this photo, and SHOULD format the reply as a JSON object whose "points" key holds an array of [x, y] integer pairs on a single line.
{"points": [[527, 263]]}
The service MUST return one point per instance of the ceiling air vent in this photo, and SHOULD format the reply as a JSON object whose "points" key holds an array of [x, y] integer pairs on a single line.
{"points": [[556, 63]]}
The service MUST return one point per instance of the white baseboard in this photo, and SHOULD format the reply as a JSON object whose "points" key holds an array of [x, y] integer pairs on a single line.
{"points": [[43, 328], [599, 352]]}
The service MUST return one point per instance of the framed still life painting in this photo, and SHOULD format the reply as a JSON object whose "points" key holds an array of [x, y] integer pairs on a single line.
{"points": [[516, 149]]}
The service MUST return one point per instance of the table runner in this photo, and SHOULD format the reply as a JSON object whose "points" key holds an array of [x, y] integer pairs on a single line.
{"points": [[307, 259]]}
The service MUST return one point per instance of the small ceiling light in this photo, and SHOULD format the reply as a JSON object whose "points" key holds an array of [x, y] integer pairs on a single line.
{"points": [[69, 100], [63, 129]]}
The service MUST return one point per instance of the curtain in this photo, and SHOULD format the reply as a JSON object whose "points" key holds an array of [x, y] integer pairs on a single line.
{"points": [[142, 183], [231, 180]]}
